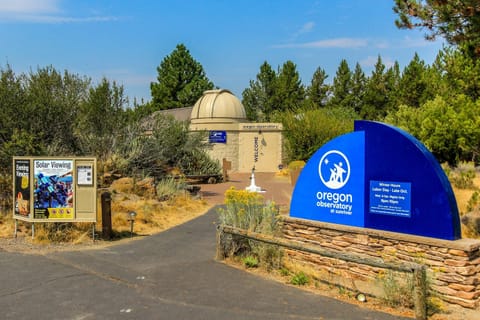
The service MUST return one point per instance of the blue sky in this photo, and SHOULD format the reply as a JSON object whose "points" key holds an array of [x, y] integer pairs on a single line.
{"points": [[126, 40]]}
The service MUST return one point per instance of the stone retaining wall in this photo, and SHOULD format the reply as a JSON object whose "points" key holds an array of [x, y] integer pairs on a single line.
{"points": [[453, 266]]}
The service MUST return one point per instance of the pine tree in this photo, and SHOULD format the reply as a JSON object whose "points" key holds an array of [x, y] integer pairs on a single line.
{"points": [[358, 88], [289, 91], [258, 98], [342, 87], [181, 81], [456, 21], [375, 101], [413, 83], [392, 80], [317, 92]]}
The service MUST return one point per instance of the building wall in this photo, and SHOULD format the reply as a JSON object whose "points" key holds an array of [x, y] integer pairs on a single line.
{"points": [[248, 145], [453, 267], [260, 146], [260, 150], [228, 151]]}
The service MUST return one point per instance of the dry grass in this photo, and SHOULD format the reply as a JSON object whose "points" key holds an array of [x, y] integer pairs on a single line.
{"points": [[7, 225], [463, 195], [153, 216]]}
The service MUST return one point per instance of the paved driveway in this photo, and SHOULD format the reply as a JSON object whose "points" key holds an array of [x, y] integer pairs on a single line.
{"points": [[171, 275]]}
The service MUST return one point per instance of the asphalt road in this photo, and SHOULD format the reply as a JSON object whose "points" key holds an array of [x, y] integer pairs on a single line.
{"points": [[171, 275]]}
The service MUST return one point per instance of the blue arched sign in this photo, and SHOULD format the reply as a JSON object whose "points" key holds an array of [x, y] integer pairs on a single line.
{"points": [[377, 177]]}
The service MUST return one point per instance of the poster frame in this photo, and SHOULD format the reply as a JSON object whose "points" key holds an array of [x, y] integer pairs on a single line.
{"points": [[86, 190]]}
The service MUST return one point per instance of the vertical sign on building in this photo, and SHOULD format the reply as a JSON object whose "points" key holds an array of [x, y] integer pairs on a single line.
{"points": [[255, 149]]}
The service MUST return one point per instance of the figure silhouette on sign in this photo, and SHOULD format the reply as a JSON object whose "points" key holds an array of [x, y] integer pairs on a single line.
{"points": [[336, 175], [339, 167]]}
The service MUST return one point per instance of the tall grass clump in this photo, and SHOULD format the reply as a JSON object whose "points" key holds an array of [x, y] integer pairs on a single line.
{"points": [[169, 187], [249, 211], [65, 232], [463, 175], [398, 291]]}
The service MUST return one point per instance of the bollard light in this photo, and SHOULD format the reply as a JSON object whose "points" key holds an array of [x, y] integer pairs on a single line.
{"points": [[361, 297], [131, 218]]}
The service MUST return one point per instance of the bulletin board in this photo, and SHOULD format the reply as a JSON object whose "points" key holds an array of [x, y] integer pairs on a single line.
{"points": [[54, 189]]}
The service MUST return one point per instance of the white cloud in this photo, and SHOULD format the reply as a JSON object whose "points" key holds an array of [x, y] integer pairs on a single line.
{"points": [[370, 61], [306, 28], [28, 6], [42, 11], [406, 42], [327, 44], [63, 19]]}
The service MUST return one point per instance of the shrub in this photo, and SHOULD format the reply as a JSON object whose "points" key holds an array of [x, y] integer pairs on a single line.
{"points": [[284, 272], [300, 279], [250, 262], [248, 211], [473, 201], [297, 164], [169, 187], [307, 130], [5, 192], [462, 177], [397, 293]]}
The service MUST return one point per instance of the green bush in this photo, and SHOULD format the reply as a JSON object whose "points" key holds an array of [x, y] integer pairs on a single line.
{"points": [[248, 211], [169, 187], [300, 279], [250, 262], [307, 130], [449, 127], [473, 202], [463, 175], [284, 272]]}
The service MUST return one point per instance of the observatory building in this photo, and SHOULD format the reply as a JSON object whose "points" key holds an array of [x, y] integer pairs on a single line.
{"points": [[245, 144]]}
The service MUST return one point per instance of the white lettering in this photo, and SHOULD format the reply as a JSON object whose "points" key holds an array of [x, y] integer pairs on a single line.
{"points": [[335, 197]]}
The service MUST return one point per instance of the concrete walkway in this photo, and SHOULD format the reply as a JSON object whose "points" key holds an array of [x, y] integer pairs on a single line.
{"points": [[171, 275]]}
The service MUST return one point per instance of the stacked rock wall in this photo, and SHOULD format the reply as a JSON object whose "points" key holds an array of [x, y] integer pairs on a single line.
{"points": [[453, 266]]}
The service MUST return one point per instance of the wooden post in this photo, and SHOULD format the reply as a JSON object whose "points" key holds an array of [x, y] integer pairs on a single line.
{"points": [[420, 292], [106, 215], [226, 165], [220, 253]]}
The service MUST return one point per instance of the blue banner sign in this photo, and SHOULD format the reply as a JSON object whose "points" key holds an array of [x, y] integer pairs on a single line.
{"points": [[378, 177], [391, 198], [217, 137], [331, 187]]}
